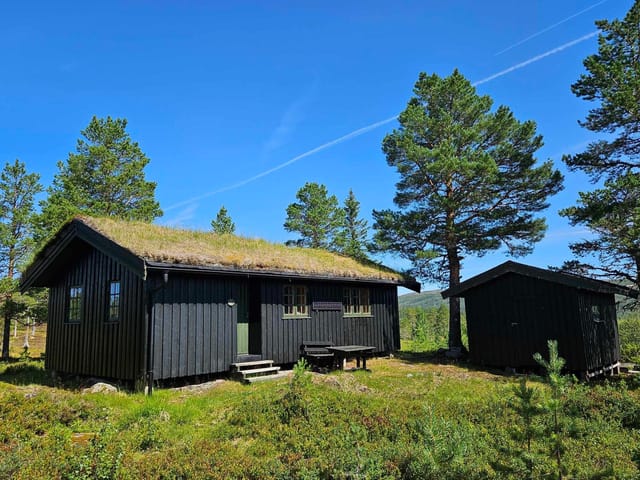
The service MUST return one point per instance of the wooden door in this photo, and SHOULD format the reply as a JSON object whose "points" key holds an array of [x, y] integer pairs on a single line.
{"points": [[243, 321]]}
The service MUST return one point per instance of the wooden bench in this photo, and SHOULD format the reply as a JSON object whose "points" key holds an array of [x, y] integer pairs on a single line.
{"points": [[316, 353]]}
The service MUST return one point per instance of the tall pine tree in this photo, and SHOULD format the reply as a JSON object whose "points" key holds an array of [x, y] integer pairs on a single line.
{"points": [[17, 191], [612, 211], [316, 216], [468, 184], [104, 177], [351, 238]]}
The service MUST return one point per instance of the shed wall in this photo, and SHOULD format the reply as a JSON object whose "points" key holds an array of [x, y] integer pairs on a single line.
{"points": [[511, 317], [599, 329], [95, 346]]}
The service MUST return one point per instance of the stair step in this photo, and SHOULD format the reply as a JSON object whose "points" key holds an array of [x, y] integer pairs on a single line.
{"points": [[263, 378], [239, 366], [258, 371]]}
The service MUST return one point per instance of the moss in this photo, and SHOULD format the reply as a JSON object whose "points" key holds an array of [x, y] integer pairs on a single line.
{"points": [[180, 246]]}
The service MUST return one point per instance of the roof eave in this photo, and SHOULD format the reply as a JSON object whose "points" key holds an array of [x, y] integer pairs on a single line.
{"points": [[575, 281], [45, 258], [272, 273]]}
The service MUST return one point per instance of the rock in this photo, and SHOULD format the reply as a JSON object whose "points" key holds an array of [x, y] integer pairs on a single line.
{"points": [[100, 387]]}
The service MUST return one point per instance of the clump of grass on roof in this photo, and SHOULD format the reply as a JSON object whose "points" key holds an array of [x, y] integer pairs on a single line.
{"points": [[191, 247]]}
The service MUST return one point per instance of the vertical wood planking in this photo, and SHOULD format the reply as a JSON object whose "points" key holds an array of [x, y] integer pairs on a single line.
{"points": [[94, 346]]}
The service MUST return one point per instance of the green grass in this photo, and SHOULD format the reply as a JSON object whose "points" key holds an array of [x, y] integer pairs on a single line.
{"points": [[173, 245], [407, 418]]}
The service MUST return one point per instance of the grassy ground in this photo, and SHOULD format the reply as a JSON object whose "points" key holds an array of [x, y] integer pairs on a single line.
{"points": [[409, 417]]}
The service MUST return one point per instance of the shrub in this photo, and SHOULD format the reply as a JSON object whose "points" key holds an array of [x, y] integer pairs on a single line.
{"points": [[294, 402], [629, 328], [427, 328]]}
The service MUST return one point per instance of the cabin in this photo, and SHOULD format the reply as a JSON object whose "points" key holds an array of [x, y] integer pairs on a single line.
{"points": [[139, 303], [514, 309]]}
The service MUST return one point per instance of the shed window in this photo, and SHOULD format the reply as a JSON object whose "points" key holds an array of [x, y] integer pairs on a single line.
{"points": [[596, 314], [74, 311], [295, 301], [114, 301], [356, 301]]}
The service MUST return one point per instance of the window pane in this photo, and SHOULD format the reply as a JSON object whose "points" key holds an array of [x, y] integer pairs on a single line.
{"points": [[75, 304], [356, 301], [114, 301], [295, 300]]}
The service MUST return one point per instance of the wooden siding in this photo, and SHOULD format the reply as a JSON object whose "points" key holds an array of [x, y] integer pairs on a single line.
{"points": [[282, 336], [601, 341], [95, 346], [512, 316], [194, 328]]}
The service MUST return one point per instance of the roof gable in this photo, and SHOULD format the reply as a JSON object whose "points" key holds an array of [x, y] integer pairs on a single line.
{"points": [[570, 280], [62, 248], [141, 245]]}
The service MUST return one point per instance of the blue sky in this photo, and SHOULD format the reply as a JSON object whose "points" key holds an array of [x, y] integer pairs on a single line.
{"points": [[226, 98]]}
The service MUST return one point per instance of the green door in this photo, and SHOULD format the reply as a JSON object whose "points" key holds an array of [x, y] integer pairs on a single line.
{"points": [[243, 322]]}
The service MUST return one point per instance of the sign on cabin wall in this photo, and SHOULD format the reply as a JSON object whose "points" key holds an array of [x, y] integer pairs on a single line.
{"points": [[331, 306]]}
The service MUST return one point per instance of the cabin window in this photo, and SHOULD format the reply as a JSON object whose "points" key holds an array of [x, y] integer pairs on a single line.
{"points": [[114, 301], [295, 301], [74, 311], [356, 301]]}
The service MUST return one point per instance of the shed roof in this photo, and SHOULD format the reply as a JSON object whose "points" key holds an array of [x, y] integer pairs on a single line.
{"points": [[568, 279], [143, 246]]}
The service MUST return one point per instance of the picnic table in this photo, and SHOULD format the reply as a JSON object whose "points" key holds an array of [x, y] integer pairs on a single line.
{"points": [[359, 352]]}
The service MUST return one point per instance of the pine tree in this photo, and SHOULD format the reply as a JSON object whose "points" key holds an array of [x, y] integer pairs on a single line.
{"points": [[558, 384], [105, 177], [351, 239], [468, 184], [17, 191], [316, 216], [613, 81], [223, 224], [611, 212]]}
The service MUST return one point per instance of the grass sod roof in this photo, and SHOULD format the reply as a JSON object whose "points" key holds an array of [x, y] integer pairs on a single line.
{"points": [[156, 243]]}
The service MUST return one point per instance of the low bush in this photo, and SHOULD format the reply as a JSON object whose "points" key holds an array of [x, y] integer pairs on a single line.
{"points": [[629, 329], [405, 420]]}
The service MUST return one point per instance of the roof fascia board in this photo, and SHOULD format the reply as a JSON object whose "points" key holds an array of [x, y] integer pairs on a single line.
{"points": [[575, 281], [76, 229], [111, 248], [46, 256], [224, 270]]}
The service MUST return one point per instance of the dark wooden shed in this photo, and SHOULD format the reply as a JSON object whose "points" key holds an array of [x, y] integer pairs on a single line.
{"points": [[514, 309], [133, 301]]}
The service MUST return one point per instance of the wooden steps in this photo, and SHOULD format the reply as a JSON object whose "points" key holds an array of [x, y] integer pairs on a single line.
{"points": [[255, 371]]}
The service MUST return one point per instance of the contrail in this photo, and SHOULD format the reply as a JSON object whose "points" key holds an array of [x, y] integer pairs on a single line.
{"points": [[551, 27], [536, 58], [324, 146], [368, 128]]}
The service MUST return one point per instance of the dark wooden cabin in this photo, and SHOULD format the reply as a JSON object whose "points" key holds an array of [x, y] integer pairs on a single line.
{"points": [[514, 309], [134, 301]]}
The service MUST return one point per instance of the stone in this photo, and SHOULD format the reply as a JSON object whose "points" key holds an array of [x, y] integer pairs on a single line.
{"points": [[100, 387]]}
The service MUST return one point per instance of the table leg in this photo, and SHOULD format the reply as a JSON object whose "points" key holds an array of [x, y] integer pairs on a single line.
{"points": [[364, 362], [357, 362]]}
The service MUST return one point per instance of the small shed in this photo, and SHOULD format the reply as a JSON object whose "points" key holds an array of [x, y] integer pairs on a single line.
{"points": [[136, 302], [514, 309]]}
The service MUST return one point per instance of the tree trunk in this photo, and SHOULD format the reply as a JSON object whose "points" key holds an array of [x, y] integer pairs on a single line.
{"points": [[6, 336], [455, 330], [8, 313]]}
